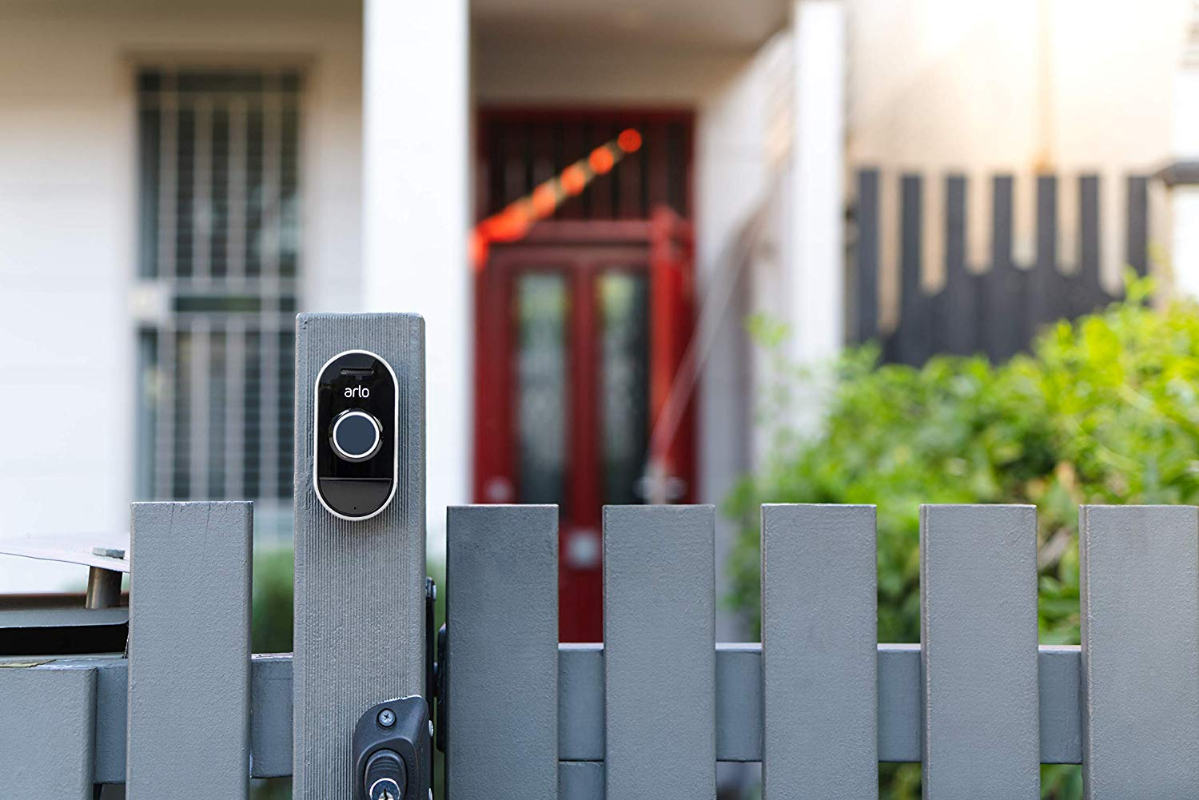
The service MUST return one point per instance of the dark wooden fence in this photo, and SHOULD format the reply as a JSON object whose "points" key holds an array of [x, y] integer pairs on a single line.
{"points": [[994, 308]]}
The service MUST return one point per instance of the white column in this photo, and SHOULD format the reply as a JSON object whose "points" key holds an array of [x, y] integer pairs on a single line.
{"points": [[813, 237], [416, 213], [817, 244], [1184, 247]]}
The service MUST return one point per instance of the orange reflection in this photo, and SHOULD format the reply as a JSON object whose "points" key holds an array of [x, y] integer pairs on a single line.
{"points": [[629, 140]]}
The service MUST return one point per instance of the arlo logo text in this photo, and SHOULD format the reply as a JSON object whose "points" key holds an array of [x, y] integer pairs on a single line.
{"points": [[358, 391]]}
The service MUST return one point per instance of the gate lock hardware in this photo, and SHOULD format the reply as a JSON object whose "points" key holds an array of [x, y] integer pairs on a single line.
{"points": [[393, 741], [393, 751]]}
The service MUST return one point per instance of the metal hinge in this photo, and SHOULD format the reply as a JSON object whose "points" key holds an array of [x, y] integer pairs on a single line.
{"points": [[435, 678]]}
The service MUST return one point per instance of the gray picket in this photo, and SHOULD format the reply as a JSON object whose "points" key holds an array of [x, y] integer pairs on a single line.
{"points": [[659, 652], [502, 583], [819, 652], [47, 732], [1140, 651], [978, 603], [189, 650]]}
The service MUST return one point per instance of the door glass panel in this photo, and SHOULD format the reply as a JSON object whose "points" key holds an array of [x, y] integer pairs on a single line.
{"points": [[542, 303], [624, 384]]}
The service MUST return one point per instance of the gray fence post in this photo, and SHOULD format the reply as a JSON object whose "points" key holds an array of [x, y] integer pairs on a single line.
{"points": [[1140, 651], [359, 585], [189, 651]]}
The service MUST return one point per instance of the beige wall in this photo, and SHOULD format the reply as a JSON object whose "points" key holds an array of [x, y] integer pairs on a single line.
{"points": [[940, 83], [557, 72], [68, 225], [1066, 86]]}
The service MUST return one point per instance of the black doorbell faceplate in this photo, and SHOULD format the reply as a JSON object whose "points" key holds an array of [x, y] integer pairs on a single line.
{"points": [[356, 390]]}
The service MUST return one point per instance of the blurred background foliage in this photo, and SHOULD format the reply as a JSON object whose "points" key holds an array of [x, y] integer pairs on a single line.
{"points": [[1102, 411]]}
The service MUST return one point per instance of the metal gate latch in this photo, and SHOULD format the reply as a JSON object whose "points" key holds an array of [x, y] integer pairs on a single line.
{"points": [[393, 751]]}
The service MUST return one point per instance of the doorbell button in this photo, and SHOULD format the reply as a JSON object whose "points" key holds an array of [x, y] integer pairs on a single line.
{"points": [[356, 435]]}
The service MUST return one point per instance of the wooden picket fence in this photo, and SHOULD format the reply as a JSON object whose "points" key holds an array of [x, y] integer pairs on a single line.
{"points": [[1016, 252], [649, 713]]}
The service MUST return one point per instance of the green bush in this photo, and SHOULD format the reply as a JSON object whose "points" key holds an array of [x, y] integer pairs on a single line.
{"points": [[1103, 411]]}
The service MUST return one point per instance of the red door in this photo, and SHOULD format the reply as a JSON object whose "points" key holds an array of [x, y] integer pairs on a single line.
{"points": [[581, 333]]}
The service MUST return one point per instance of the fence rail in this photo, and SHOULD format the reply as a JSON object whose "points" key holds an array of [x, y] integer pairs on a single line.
{"points": [[580, 719], [819, 703]]}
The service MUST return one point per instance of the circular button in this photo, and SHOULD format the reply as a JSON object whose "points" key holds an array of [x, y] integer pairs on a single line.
{"points": [[356, 435]]}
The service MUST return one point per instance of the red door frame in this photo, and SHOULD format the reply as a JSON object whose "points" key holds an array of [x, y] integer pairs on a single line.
{"points": [[616, 116], [661, 249]]}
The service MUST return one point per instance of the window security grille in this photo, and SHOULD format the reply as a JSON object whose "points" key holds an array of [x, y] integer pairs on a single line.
{"points": [[217, 286]]}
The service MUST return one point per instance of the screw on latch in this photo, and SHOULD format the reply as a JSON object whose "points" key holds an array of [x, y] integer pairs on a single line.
{"points": [[387, 718]]}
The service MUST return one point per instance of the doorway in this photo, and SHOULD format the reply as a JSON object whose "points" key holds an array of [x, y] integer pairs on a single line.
{"points": [[581, 327], [581, 331]]}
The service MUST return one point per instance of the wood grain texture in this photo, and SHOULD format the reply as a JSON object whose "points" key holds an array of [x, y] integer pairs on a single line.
{"points": [[659, 652], [978, 604], [359, 586], [189, 650], [1140, 651], [502, 607], [819, 651]]}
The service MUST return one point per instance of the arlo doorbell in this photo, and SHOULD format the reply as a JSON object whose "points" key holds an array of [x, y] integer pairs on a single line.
{"points": [[356, 435]]}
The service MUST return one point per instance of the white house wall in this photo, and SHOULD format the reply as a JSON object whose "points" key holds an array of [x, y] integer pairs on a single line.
{"points": [[68, 227]]}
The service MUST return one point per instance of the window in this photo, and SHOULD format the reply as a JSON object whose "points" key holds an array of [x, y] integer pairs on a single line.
{"points": [[217, 286]]}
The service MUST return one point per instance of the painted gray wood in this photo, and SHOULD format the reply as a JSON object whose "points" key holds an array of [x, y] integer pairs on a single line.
{"points": [[1059, 676], [999, 311], [1140, 651], [958, 306], [189, 650], [502, 595], [581, 707], [978, 602], [580, 702], [1005, 285], [866, 255], [359, 586], [581, 780], [112, 719], [1090, 243], [47, 732], [913, 341], [1048, 298], [739, 701], [900, 712], [659, 659], [270, 712], [1137, 232], [819, 651]]}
